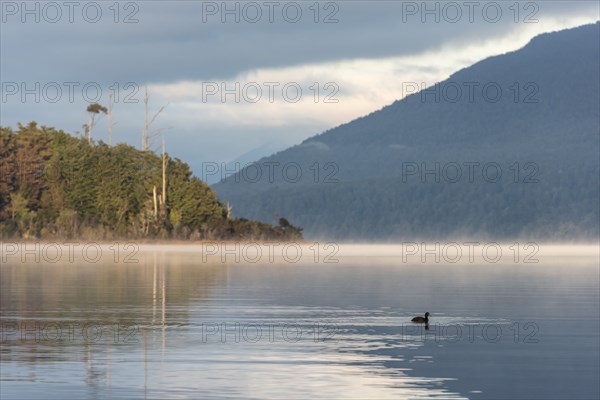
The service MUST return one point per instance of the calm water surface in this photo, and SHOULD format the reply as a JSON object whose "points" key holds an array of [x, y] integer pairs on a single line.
{"points": [[176, 326]]}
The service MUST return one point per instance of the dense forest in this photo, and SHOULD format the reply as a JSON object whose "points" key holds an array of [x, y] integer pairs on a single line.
{"points": [[54, 185]]}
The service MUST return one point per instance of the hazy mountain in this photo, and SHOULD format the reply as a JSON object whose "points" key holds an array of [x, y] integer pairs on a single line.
{"points": [[218, 171], [532, 114]]}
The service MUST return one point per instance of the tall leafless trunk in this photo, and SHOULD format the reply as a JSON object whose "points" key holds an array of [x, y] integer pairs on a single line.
{"points": [[154, 197], [164, 178], [110, 123], [146, 125], [89, 127], [146, 133]]}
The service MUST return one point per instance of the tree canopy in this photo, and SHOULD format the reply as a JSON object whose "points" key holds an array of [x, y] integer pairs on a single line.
{"points": [[54, 185]]}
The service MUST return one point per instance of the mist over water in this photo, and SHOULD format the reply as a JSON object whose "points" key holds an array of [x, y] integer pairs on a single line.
{"points": [[163, 321]]}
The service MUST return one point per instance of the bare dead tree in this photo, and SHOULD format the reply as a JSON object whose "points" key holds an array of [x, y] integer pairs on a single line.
{"points": [[229, 208], [164, 178], [110, 120], [154, 200], [147, 135]]}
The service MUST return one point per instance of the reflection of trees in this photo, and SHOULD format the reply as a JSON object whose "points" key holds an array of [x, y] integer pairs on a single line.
{"points": [[153, 296], [105, 291]]}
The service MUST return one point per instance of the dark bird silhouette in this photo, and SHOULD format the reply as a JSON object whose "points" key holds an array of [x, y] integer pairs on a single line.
{"points": [[421, 320]]}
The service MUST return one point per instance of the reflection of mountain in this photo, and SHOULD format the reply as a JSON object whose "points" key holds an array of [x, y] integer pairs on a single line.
{"points": [[542, 131]]}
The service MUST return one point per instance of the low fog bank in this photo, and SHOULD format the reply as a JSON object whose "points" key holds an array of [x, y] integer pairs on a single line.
{"points": [[527, 254]]}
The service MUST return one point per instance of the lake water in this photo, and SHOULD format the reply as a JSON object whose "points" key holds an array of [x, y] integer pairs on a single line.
{"points": [[168, 322]]}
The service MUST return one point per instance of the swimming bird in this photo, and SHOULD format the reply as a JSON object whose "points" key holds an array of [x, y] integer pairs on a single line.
{"points": [[421, 320]]}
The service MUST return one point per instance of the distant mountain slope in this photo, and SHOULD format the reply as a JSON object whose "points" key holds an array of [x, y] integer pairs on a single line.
{"points": [[541, 132]]}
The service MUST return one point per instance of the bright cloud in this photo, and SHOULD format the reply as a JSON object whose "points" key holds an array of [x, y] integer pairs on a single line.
{"points": [[346, 90]]}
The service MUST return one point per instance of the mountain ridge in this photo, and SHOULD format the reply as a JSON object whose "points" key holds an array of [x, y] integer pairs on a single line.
{"points": [[546, 116]]}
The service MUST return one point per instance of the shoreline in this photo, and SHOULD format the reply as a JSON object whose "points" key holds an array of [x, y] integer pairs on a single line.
{"points": [[540, 241]]}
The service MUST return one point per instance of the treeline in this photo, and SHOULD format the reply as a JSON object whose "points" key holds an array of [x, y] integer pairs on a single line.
{"points": [[560, 207], [53, 185]]}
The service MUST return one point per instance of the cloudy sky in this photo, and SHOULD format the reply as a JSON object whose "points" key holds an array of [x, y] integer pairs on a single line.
{"points": [[244, 79]]}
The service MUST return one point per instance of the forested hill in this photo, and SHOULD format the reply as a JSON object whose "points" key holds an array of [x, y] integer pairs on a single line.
{"points": [[53, 185], [503, 149]]}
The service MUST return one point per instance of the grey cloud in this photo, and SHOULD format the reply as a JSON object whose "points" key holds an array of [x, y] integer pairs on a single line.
{"points": [[171, 42]]}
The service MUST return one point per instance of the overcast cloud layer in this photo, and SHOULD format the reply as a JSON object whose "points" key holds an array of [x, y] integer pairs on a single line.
{"points": [[356, 58]]}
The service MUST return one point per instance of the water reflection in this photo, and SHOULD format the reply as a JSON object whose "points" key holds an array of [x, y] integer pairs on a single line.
{"points": [[172, 326]]}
